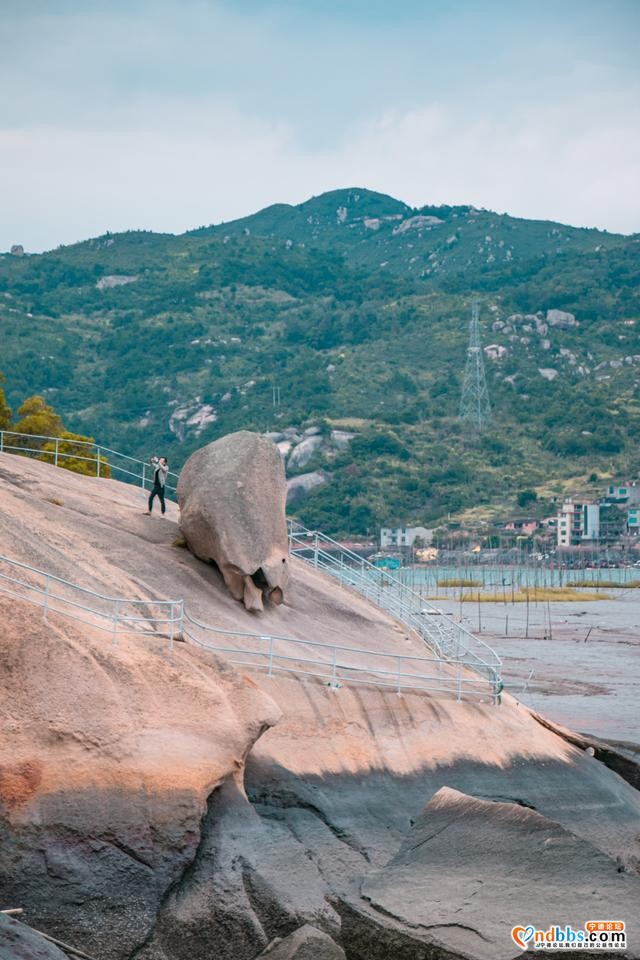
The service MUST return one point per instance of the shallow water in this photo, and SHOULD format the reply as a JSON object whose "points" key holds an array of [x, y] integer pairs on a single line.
{"points": [[576, 662], [501, 577]]}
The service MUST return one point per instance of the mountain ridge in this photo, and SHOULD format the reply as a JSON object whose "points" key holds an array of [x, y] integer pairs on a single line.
{"points": [[153, 341]]}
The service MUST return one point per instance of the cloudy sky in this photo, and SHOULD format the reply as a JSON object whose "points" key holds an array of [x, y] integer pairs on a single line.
{"points": [[168, 114]]}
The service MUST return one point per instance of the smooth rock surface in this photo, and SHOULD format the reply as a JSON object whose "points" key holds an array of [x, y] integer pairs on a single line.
{"points": [[232, 497], [469, 871]]}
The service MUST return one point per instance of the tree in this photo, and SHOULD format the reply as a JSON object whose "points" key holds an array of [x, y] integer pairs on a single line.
{"points": [[38, 419], [75, 452], [5, 409], [525, 497], [51, 440]]}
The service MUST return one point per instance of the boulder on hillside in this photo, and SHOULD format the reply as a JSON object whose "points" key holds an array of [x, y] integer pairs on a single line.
{"points": [[298, 487], [561, 318], [304, 451], [471, 870], [232, 497], [115, 280], [306, 943]]}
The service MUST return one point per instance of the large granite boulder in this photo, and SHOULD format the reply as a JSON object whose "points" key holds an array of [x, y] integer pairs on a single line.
{"points": [[232, 496], [471, 870], [298, 487], [561, 318]]}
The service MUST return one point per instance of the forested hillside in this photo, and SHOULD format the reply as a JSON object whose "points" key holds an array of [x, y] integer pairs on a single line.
{"points": [[355, 308]]}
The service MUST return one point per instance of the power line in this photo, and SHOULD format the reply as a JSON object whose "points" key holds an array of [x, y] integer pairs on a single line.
{"points": [[475, 409]]}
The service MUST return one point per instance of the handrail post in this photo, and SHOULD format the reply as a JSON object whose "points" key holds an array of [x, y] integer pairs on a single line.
{"points": [[55, 456], [270, 673], [98, 463], [116, 611], [1, 440], [171, 626], [144, 475], [334, 678], [315, 551]]}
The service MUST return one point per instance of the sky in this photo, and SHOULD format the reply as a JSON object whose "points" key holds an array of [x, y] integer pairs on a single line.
{"points": [[170, 114]]}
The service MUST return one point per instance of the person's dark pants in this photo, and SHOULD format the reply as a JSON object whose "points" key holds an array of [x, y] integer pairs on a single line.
{"points": [[159, 492]]}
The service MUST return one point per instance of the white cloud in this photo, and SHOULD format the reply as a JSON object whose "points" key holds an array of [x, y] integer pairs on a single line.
{"points": [[165, 116]]}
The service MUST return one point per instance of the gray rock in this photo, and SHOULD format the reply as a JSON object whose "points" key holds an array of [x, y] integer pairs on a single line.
{"points": [[548, 373], [312, 431], [420, 222], [115, 280], [298, 487], [20, 942], [17, 250], [341, 439], [307, 943], [462, 880], [247, 885], [304, 452], [276, 437], [232, 510], [560, 318]]}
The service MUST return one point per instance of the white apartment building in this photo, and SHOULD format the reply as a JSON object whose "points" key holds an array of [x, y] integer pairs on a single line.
{"points": [[578, 523], [399, 537]]}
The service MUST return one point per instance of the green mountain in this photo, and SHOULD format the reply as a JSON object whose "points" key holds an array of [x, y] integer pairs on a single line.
{"points": [[355, 307], [376, 231]]}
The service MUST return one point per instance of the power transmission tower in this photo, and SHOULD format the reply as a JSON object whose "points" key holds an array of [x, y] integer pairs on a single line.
{"points": [[475, 408]]}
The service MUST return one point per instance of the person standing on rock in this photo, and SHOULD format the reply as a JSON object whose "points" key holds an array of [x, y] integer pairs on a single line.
{"points": [[160, 471]]}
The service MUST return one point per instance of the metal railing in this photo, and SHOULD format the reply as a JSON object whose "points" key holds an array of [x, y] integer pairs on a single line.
{"points": [[105, 461], [447, 639], [334, 664], [114, 615]]}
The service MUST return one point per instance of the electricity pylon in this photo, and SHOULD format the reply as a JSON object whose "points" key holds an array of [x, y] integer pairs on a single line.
{"points": [[475, 408]]}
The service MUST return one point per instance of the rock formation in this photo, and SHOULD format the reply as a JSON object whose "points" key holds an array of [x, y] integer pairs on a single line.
{"points": [[232, 497], [169, 804], [428, 901], [298, 487], [561, 318]]}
